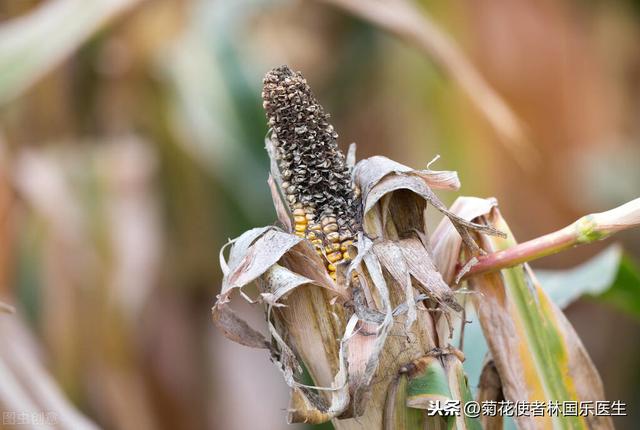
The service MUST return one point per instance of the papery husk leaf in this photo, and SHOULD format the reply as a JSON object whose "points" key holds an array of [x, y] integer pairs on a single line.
{"points": [[304, 260], [254, 256], [275, 186], [366, 344], [376, 184], [371, 170], [536, 350], [236, 329], [446, 243], [251, 255], [391, 257], [351, 156], [425, 272], [394, 211], [306, 406], [312, 330], [374, 309], [392, 183], [262, 254], [280, 281], [395, 198], [239, 248], [307, 323], [278, 203]]}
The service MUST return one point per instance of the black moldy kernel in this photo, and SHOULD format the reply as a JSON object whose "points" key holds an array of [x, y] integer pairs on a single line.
{"points": [[315, 177]]}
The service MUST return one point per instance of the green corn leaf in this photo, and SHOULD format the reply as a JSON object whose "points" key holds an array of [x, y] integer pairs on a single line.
{"points": [[459, 385], [396, 414], [610, 277], [537, 353], [428, 383], [625, 292]]}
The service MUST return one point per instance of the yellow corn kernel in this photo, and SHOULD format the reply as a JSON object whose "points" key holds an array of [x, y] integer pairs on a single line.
{"points": [[345, 245], [299, 233], [300, 227], [332, 247], [311, 235], [298, 212], [331, 267], [333, 275], [300, 220], [334, 256]]}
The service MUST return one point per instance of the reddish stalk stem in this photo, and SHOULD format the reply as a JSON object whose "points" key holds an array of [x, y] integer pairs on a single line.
{"points": [[587, 229]]}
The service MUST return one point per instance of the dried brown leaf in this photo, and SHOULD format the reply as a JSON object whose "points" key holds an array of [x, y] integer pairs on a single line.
{"points": [[370, 171], [259, 257], [446, 243], [391, 257], [236, 329], [279, 281], [423, 269], [364, 350]]}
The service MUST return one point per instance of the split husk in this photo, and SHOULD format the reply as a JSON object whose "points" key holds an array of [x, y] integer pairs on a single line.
{"points": [[340, 330]]}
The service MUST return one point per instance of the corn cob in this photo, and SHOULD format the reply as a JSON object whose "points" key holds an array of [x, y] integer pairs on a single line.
{"points": [[315, 178]]}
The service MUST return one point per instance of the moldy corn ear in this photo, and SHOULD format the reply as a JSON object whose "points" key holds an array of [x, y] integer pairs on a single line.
{"points": [[316, 180]]}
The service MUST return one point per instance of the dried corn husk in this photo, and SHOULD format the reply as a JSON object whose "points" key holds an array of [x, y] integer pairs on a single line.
{"points": [[340, 329]]}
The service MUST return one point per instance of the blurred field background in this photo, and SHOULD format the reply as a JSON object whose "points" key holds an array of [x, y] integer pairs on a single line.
{"points": [[131, 149]]}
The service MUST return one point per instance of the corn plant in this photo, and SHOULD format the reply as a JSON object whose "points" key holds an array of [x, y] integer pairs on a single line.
{"points": [[362, 304]]}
